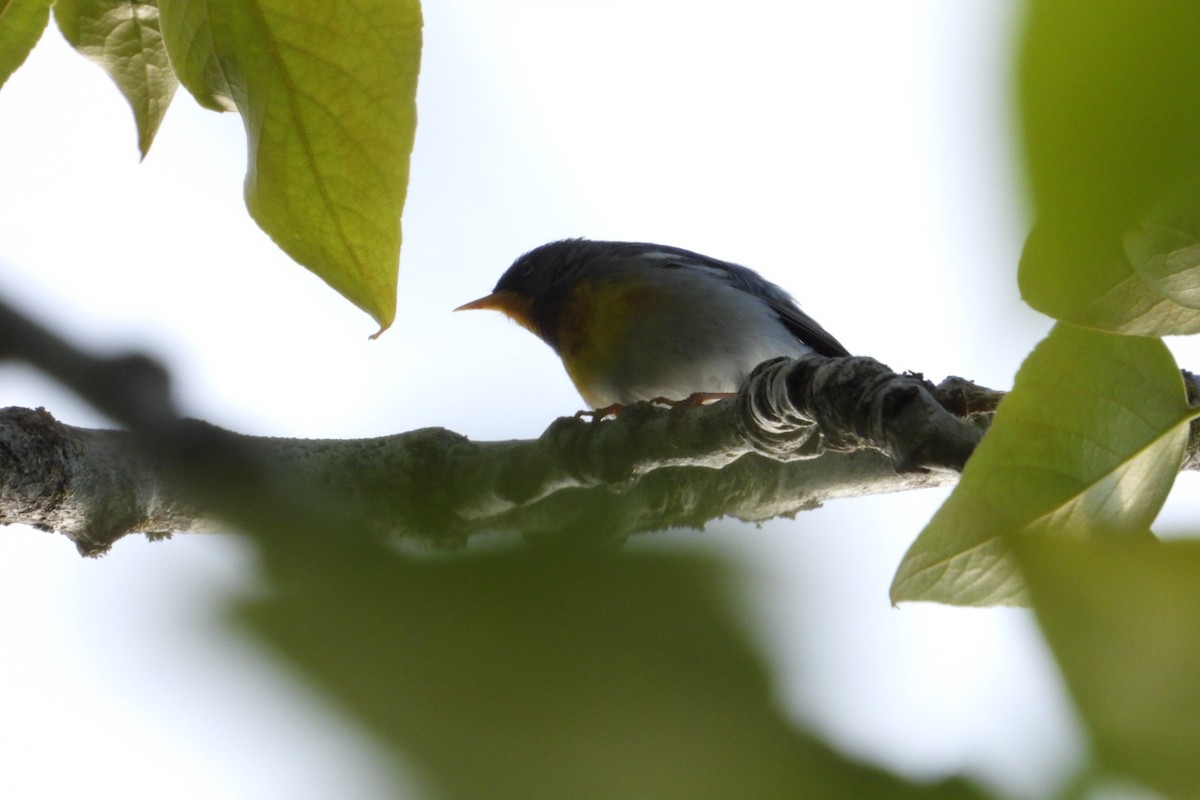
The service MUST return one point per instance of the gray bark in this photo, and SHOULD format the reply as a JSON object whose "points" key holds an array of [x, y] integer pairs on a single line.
{"points": [[799, 434]]}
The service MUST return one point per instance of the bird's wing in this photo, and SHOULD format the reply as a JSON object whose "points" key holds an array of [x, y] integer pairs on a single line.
{"points": [[801, 325]]}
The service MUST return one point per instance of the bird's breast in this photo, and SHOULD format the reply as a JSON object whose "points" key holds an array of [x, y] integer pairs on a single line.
{"points": [[630, 339], [599, 330]]}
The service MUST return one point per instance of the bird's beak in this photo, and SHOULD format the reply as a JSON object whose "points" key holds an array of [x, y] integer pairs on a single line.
{"points": [[496, 301], [513, 305]]}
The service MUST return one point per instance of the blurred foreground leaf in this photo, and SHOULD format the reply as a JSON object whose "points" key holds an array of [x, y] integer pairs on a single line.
{"points": [[124, 38], [1123, 620], [327, 93], [1110, 116], [528, 676], [1089, 441], [21, 25], [1143, 280]]}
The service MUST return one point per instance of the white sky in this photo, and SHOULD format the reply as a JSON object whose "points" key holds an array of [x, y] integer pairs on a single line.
{"points": [[855, 152]]}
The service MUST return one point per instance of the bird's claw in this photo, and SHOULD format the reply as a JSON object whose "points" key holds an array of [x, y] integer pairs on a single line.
{"points": [[693, 400], [598, 414]]}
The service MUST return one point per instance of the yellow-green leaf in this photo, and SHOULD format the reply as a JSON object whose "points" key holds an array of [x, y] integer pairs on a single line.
{"points": [[1123, 620], [1142, 280], [1110, 122], [1088, 442], [21, 25], [327, 92], [124, 38]]}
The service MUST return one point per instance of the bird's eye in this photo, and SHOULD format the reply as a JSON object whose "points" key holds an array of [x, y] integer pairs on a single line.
{"points": [[526, 271]]}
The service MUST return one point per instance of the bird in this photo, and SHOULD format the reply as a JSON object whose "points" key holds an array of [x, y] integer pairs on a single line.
{"points": [[634, 321]]}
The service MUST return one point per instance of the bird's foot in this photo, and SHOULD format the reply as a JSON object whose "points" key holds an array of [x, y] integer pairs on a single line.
{"points": [[693, 400], [598, 414]]}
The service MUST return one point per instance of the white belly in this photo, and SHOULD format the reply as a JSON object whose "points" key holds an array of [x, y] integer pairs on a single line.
{"points": [[706, 338]]}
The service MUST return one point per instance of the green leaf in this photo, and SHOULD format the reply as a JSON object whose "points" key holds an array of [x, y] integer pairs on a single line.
{"points": [[1089, 442], [1123, 620], [327, 92], [124, 38], [1145, 283], [1110, 121], [529, 676], [21, 25]]}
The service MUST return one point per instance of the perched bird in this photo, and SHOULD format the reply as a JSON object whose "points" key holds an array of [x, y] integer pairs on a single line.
{"points": [[634, 321]]}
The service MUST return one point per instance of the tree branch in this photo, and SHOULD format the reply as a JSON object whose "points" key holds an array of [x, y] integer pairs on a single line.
{"points": [[800, 432], [651, 468], [594, 480]]}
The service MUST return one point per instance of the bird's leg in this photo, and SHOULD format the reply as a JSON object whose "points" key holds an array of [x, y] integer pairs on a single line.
{"points": [[693, 400], [598, 414]]}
